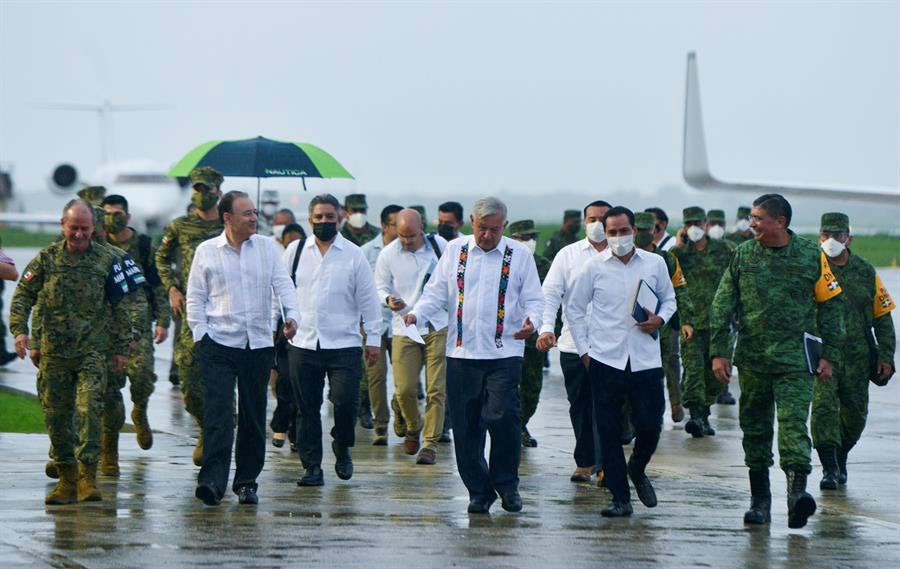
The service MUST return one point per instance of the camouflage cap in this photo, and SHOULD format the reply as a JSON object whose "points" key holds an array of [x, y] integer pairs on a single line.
{"points": [[207, 176], [835, 222], [522, 227], [92, 194], [743, 212], [716, 216], [644, 220], [572, 214], [355, 201], [693, 213], [99, 217]]}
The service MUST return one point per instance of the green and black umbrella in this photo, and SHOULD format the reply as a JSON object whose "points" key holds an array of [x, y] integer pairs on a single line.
{"points": [[262, 158]]}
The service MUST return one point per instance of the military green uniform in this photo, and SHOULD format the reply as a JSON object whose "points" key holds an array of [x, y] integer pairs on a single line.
{"points": [[533, 360], [776, 294], [737, 236], [79, 294], [703, 269], [367, 232], [840, 406], [562, 237]]}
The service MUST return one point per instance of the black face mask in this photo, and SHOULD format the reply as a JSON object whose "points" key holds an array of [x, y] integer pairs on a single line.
{"points": [[325, 231], [446, 231]]}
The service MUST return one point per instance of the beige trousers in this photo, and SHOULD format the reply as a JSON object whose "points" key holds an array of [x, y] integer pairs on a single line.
{"points": [[407, 359]]}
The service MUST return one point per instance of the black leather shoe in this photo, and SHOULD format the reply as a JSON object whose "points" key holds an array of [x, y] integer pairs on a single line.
{"points": [[642, 485], [511, 502], [277, 443], [479, 506], [207, 494], [247, 495], [445, 437], [313, 477], [527, 440], [343, 465], [617, 510]]}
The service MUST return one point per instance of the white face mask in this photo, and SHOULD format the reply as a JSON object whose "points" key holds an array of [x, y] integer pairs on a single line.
{"points": [[594, 231], [832, 247], [695, 233], [716, 232], [531, 244], [742, 225], [269, 210], [278, 231], [622, 245], [357, 220]]}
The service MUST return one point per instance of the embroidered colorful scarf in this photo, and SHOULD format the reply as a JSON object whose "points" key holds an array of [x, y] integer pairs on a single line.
{"points": [[501, 295]]}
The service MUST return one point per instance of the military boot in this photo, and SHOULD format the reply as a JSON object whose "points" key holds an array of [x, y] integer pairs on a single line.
{"points": [[760, 511], [694, 426], [65, 491], [830, 469], [198, 450], [365, 411], [142, 426], [51, 469], [87, 483], [800, 504], [708, 431], [842, 464], [109, 454]]}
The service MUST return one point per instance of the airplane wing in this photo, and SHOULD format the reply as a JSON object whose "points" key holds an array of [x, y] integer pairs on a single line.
{"points": [[697, 174]]}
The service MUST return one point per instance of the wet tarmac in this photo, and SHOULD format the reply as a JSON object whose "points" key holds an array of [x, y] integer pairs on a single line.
{"points": [[396, 513]]}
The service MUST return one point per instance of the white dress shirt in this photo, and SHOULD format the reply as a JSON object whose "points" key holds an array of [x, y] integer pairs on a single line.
{"points": [[480, 304], [371, 250], [610, 334], [334, 291], [558, 285], [229, 294], [669, 242], [402, 273]]}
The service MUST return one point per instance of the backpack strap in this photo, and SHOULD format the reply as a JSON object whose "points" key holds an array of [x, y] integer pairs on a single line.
{"points": [[297, 260], [434, 245]]}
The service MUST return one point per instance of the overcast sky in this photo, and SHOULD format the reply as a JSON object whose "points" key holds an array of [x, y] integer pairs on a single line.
{"points": [[449, 98]]}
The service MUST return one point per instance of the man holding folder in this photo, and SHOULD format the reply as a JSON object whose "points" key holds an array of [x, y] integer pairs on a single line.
{"points": [[621, 354]]}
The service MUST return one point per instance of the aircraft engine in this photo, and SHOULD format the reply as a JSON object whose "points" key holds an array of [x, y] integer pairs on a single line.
{"points": [[64, 179]]}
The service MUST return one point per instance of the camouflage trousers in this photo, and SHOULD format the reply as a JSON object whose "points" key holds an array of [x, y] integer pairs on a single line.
{"points": [[763, 394], [187, 358], [840, 405], [141, 377], [68, 387], [532, 380], [700, 384], [671, 361]]}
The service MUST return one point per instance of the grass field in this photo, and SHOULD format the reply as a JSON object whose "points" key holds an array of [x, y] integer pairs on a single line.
{"points": [[20, 413], [17, 237]]}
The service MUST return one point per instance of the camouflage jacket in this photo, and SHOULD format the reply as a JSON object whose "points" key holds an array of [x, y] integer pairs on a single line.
{"points": [[543, 266], [868, 305], [682, 296], [157, 295], [80, 294], [777, 294], [183, 235], [703, 270], [368, 233], [556, 242], [736, 238]]}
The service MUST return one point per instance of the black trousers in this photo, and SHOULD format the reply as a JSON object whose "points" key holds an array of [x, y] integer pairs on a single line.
{"points": [[484, 398], [644, 390], [581, 411], [221, 367], [285, 413], [308, 369]]}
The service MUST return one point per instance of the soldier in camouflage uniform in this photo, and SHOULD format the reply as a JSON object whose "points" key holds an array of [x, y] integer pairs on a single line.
{"points": [[533, 362], [742, 230], [183, 235], [840, 406], [779, 287], [140, 361], [73, 280], [358, 229], [716, 230], [681, 323], [566, 235], [703, 261]]}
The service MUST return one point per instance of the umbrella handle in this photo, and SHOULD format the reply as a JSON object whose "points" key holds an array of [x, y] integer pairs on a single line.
{"points": [[303, 180]]}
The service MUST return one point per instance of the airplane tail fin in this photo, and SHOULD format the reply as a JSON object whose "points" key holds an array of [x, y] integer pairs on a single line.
{"points": [[695, 165]]}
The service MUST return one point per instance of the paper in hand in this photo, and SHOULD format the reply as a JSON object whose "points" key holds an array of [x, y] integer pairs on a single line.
{"points": [[411, 332]]}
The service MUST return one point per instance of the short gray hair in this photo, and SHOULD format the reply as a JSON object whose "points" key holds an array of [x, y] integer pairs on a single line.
{"points": [[324, 199], [76, 202], [488, 206]]}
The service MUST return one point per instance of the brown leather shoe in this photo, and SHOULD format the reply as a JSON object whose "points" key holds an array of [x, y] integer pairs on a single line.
{"points": [[581, 474], [426, 456], [411, 444], [677, 413]]}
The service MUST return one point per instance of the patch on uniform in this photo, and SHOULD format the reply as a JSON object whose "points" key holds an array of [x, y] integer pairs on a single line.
{"points": [[28, 276], [827, 286], [882, 303], [165, 240], [678, 279]]}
